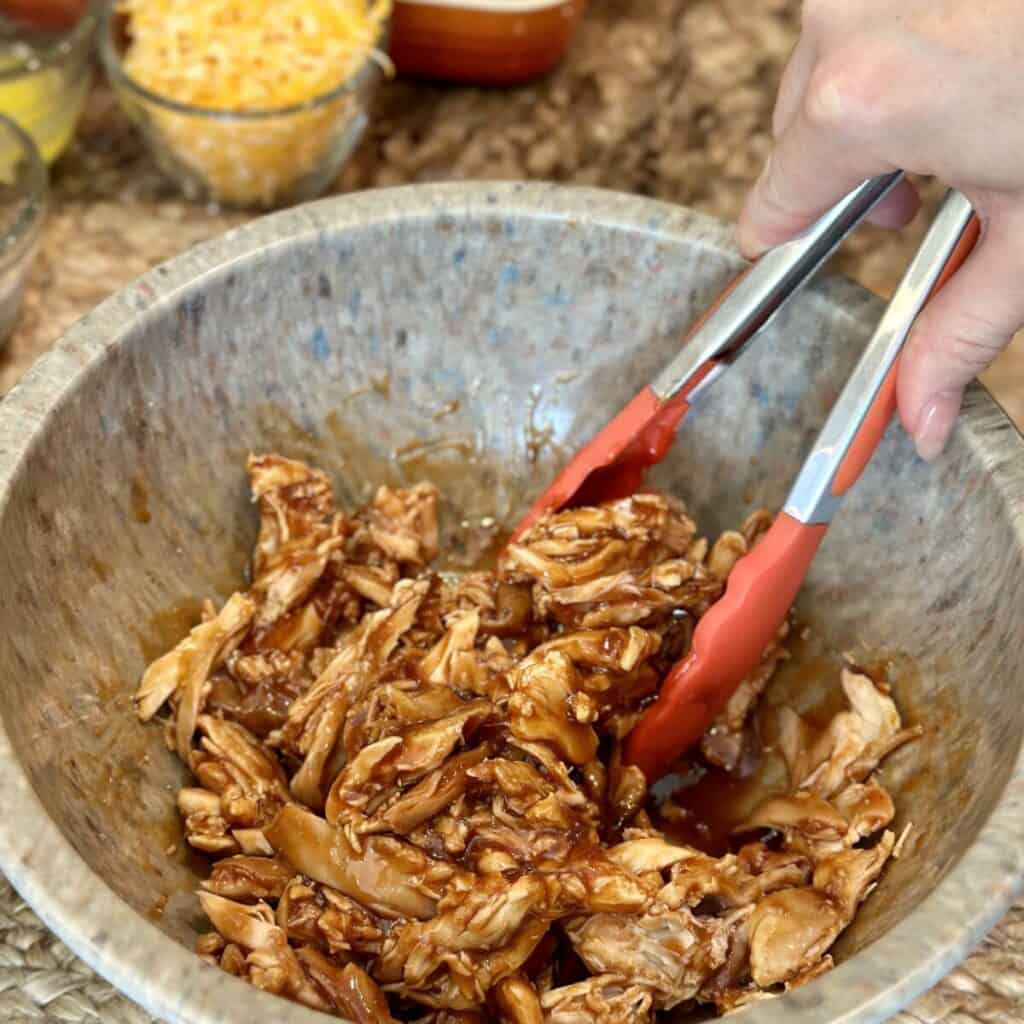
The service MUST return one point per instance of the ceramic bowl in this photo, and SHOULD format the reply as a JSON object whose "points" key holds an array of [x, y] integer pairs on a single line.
{"points": [[471, 334], [482, 42]]}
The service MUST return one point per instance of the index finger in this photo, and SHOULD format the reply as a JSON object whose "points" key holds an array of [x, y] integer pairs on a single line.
{"points": [[816, 161]]}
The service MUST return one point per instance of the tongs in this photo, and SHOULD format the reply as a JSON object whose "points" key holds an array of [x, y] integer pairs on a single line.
{"points": [[730, 638]]}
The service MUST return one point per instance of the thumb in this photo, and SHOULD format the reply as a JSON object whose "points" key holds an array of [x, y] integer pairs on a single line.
{"points": [[803, 177], [960, 333]]}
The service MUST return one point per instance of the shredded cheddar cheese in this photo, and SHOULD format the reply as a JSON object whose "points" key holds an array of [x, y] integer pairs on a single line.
{"points": [[245, 55], [252, 56]]}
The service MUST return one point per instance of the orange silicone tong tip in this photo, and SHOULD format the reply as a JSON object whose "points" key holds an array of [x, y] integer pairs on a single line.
{"points": [[614, 463], [727, 645]]}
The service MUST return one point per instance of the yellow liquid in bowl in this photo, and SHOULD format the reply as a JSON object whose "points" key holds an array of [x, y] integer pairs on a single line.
{"points": [[43, 102]]}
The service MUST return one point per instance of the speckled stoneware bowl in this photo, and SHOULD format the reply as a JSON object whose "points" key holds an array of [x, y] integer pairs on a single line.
{"points": [[472, 334]]}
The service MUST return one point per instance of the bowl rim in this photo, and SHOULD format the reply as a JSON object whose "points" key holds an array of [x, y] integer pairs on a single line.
{"points": [[373, 63], [29, 219], [74, 41], [168, 979]]}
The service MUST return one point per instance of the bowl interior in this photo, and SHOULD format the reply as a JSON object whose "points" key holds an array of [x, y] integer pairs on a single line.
{"points": [[472, 347]]}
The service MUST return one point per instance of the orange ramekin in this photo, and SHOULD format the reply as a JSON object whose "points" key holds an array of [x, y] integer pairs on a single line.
{"points": [[486, 42]]}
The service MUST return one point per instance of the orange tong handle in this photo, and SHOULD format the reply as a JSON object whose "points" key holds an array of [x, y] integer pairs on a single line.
{"points": [[730, 639], [727, 645], [639, 436], [881, 412]]}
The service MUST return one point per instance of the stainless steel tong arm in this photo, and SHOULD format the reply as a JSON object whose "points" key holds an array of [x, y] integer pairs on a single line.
{"points": [[762, 291]]}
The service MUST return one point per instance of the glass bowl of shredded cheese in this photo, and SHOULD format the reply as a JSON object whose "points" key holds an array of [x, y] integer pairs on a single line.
{"points": [[250, 103], [23, 186]]}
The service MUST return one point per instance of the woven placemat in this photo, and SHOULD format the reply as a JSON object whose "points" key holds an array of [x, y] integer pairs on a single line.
{"points": [[41, 980]]}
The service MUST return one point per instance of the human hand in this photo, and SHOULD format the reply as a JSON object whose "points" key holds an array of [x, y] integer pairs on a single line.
{"points": [[933, 87]]}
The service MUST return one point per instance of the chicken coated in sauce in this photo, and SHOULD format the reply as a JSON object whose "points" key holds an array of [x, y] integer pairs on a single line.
{"points": [[412, 788]]}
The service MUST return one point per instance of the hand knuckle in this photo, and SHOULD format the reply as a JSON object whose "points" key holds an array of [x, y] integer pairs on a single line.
{"points": [[848, 95], [973, 342], [818, 16]]}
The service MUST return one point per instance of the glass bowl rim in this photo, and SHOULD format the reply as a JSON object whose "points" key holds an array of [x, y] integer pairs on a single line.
{"points": [[29, 217], [114, 67], [73, 41]]}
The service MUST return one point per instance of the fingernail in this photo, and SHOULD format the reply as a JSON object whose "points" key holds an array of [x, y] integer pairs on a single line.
{"points": [[935, 423]]}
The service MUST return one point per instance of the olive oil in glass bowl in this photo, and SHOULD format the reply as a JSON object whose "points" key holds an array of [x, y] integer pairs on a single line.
{"points": [[46, 65]]}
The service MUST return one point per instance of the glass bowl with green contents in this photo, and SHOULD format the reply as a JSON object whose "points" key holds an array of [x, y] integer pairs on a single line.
{"points": [[23, 184], [46, 67]]}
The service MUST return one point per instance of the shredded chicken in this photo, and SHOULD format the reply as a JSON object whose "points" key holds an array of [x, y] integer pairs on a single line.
{"points": [[601, 999], [412, 783]]}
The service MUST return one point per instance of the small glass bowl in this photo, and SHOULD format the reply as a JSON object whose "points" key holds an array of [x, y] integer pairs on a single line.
{"points": [[22, 212], [46, 67], [260, 158]]}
